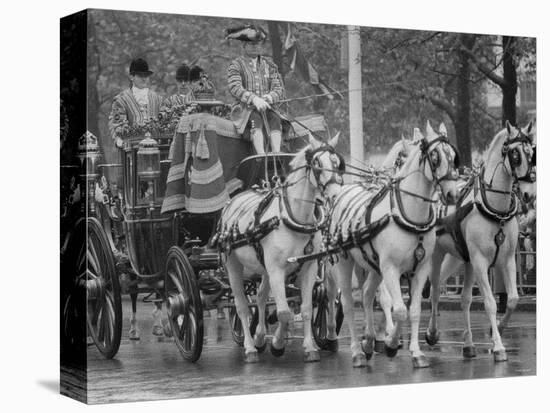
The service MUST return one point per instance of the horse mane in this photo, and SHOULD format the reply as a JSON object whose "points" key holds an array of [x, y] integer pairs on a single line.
{"points": [[414, 150], [390, 158], [497, 140]]}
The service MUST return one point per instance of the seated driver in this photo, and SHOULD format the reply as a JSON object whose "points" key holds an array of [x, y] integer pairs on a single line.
{"points": [[255, 82]]}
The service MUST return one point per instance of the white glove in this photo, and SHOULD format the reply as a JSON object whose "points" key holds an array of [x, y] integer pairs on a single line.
{"points": [[119, 142], [260, 104]]}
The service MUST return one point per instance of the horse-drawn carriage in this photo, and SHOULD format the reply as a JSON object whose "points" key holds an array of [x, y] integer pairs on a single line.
{"points": [[134, 246]]}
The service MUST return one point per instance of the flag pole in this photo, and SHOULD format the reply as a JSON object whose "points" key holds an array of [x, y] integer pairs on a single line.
{"points": [[355, 97]]}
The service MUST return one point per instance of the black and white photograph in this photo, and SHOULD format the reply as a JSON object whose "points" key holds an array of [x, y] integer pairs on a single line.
{"points": [[274, 206], [252, 206]]}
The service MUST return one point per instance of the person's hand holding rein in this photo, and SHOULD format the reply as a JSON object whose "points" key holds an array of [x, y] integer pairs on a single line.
{"points": [[260, 104]]}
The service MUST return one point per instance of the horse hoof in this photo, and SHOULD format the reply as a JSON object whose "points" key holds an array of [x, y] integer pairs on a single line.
{"points": [[251, 357], [158, 330], [469, 352], [431, 337], [134, 335], [390, 352], [332, 345], [310, 356], [368, 351], [379, 346], [500, 355], [420, 362], [359, 360], [277, 352], [261, 348]]}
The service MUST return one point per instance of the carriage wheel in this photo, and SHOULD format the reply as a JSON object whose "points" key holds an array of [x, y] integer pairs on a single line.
{"points": [[97, 273], [320, 315], [183, 303], [236, 323]]}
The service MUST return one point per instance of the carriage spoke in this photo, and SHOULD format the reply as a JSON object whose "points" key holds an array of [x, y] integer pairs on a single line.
{"points": [[108, 310], [93, 258]]}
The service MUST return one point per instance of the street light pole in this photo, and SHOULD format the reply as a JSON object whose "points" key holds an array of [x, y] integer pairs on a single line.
{"points": [[355, 96]]}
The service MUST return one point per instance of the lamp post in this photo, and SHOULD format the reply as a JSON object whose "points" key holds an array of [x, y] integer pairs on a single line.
{"points": [[355, 96]]}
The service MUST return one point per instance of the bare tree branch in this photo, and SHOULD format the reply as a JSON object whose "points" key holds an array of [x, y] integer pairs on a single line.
{"points": [[485, 69], [442, 104]]}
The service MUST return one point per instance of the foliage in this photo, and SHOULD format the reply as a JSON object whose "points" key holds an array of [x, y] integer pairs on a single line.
{"points": [[409, 76]]}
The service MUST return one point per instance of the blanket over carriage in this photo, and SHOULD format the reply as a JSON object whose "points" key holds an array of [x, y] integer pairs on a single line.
{"points": [[205, 155]]}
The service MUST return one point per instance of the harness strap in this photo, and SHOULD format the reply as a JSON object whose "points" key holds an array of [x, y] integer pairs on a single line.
{"points": [[499, 240]]}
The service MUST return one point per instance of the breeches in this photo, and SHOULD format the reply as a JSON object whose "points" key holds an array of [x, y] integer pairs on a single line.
{"points": [[256, 121]]}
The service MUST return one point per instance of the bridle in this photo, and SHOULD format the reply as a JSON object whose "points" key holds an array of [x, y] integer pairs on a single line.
{"points": [[433, 158], [515, 159], [314, 166]]}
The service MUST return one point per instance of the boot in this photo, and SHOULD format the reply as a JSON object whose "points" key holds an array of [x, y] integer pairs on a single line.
{"points": [[134, 329]]}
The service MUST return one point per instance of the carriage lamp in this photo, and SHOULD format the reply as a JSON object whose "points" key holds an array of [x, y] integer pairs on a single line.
{"points": [[148, 168], [89, 155]]}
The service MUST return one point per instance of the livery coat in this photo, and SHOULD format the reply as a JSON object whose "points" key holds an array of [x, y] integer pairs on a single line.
{"points": [[248, 78], [126, 111]]}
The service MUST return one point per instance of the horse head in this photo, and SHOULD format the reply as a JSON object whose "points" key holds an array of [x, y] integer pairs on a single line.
{"points": [[519, 153], [324, 166], [439, 161]]}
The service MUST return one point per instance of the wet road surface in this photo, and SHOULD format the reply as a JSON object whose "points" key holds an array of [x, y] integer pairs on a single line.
{"points": [[152, 368]]}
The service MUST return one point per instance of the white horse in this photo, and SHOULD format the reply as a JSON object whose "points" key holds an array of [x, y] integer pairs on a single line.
{"points": [[393, 162], [391, 232], [261, 231], [482, 231]]}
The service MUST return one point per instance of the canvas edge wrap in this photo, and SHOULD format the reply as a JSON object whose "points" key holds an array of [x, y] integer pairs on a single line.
{"points": [[73, 227]]}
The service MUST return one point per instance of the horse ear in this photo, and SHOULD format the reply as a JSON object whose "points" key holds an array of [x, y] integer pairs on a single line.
{"points": [[429, 130], [528, 128], [508, 128], [405, 144], [312, 141], [417, 135], [443, 129], [334, 141]]}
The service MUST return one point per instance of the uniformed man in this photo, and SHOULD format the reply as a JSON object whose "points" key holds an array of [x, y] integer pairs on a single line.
{"points": [[183, 95], [135, 105], [255, 82]]}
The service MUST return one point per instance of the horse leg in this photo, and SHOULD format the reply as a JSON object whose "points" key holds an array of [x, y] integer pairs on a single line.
{"points": [[158, 330], [332, 292], [385, 303], [468, 350], [432, 333], [480, 269], [277, 284], [418, 280], [234, 270], [307, 279], [507, 271], [343, 271], [134, 328], [369, 291], [392, 278], [259, 337]]}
